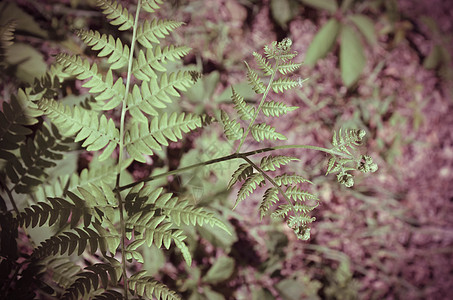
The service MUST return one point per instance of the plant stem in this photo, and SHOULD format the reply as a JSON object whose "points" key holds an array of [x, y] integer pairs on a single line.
{"points": [[229, 157], [121, 154], [268, 88]]}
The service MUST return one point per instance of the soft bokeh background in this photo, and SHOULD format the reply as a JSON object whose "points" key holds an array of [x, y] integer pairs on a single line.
{"points": [[388, 237]]}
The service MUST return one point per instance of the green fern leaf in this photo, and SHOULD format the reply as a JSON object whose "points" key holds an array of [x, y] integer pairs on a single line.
{"points": [[254, 80], [90, 279], [245, 111], [232, 128], [282, 211], [275, 109], [143, 67], [150, 32], [269, 163], [298, 194], [146, 286], [300, 207], [263, 131], [270, 197], [242, 172], [287, 179], [105, 88], [299, 220], [141, 140], [117, 14], [119, 54], [282, 84], [249, 186], [263, 64], [349, 138], [96, 133], [288, 67], [7, 33]]}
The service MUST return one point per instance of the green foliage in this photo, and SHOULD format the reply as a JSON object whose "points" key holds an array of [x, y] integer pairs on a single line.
{"points": [[352, 58], [128, 117]]}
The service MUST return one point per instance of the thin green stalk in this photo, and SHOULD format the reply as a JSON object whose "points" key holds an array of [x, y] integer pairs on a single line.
{"points": [[268, 88], [271, 181], [229, 157], [121, 152]]}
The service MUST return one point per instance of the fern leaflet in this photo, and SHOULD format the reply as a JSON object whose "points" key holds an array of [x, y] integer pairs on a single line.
{"points": [[263, 131], [275, 109]]}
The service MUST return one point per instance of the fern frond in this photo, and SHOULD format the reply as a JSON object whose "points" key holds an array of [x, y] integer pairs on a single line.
{"points": [[36, 155], [100, 198], [156, 230], [299, 220], [245, 111], [254, 80], [269, 163], [150, 32], [7, 33], [50, 211], [151, 5], [141, 140], [143, 67], [288, 67], [105, 88], [97, 133], [275, 109], [117, 14], [143, 285], [283, 84], [109, 295], [300, 207], [287, 179], [249, 186], [232, 128], [270, 197], [298, 194], [242, 172], [282, 211], [119, 54], [92, 278], [78, 239], [61, 269], [263, 64], [263, 131], [348, 138]]}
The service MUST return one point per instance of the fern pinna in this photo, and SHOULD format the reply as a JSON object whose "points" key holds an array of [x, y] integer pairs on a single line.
{"points": [[123, 121], [91, 212]]}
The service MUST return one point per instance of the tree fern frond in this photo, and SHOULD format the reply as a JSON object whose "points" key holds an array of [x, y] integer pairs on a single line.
{"points": [[7, 33], [269, 163], [263, 64], [287, 179], [150, 32], [282, 84], [143, 67], [143, 285], [242, 172], [97, 133], [151, 5], [254, 80], [263, 131], [78, 239], [298, 194], [92, 278], [288, 67], [117, 14], [118, 54], [232, 128], [249, 186], [245, 111], [141, 140], [275, 109], [270, 197]]}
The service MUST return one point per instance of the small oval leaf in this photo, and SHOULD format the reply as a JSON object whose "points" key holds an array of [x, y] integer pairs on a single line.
{"points": [[352, 59], [322, 42]]}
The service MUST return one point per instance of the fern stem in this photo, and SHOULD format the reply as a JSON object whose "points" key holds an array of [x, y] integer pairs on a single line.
{"points": [[266, 92], [121, 150], [271, 181], [229, 157]]}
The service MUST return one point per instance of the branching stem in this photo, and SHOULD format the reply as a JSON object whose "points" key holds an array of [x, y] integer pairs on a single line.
{"points": [[229, 157]]}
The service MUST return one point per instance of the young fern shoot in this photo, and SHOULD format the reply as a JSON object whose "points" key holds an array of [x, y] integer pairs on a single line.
{"points": [[298, 203]]}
